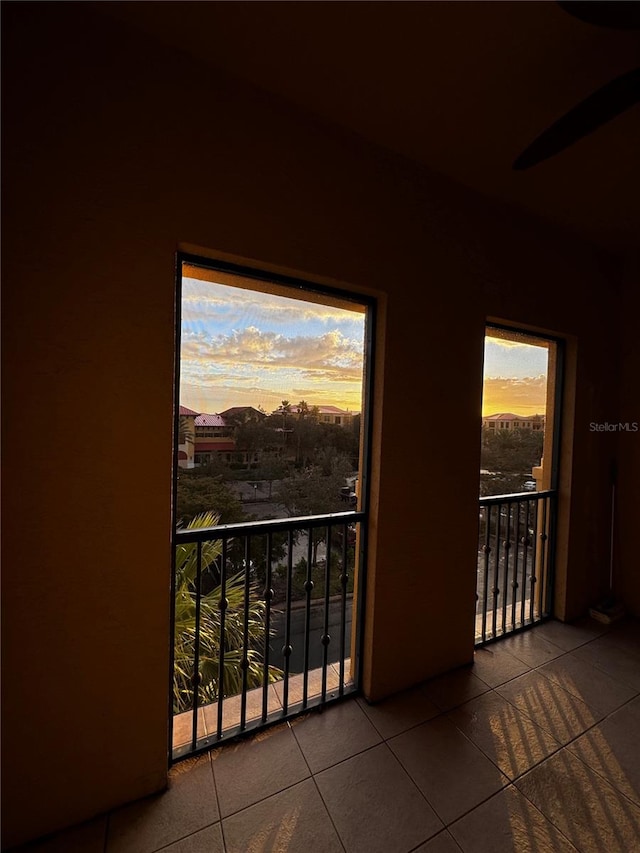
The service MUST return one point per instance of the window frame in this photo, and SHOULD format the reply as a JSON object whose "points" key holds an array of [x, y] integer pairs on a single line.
{"points": [[297, 287]]}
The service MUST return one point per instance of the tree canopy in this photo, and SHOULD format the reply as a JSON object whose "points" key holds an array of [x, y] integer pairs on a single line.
{"points": [[508, 456], [199, 494], [513, 451], [315, 489]]}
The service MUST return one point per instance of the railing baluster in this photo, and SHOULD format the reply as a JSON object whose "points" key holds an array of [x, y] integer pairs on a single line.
{"points": [[505, 578], [344, 580], [525, 563], [548, 602], [308, 586], [496, 570], [548, 552], [286, 651], [487, 554], [542, 580], [534, 561], [268, 596], [514, 582], [245, 632], [222, 605], [196, 647], [326, 639]]}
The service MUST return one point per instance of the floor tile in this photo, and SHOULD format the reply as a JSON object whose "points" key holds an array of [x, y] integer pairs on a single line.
{"points": [[626, 636], [400, 712], [84, 838], [375, 806], [293, 821], [555, 710], [612, 659], [330, 736], [588, 810], [495, 666], [187, 806], [441, 843], [450, 690], [508, 823], [612, 749], [208, 840], [251, 770], [569, 637], [452, 773], [510, 739], [592, 686], [531, 649]]}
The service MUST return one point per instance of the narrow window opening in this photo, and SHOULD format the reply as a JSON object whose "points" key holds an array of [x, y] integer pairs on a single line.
{"points": [[518, 475]]}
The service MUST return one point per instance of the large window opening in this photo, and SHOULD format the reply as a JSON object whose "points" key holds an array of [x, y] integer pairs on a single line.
{"points": [[273, 388], [520, 408]]}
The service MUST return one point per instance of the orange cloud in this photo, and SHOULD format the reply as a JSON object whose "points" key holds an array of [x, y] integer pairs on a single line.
{"points": [[522, 396]]}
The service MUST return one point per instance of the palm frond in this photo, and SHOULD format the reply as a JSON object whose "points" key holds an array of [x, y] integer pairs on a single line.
{"points": [[212, 636]]}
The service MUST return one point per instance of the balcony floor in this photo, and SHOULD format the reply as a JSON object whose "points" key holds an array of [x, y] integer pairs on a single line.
{"points": [[535, 748]]}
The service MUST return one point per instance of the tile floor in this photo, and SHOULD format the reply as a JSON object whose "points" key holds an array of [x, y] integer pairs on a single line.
{"points": [[535, 748]]}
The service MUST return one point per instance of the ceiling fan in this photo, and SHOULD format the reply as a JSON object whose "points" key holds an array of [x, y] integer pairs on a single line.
{"points": [[605, 103]]}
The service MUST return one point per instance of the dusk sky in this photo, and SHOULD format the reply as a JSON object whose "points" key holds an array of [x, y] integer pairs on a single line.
{"points": [[244, 348], [515, 377]]}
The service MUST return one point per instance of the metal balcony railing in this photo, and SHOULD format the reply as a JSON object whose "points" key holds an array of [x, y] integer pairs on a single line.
{"points": [[514, 586], [262, 624]]}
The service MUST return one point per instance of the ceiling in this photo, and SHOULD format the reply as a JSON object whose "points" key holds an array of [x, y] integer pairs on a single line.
{"points": [[461, 87]]}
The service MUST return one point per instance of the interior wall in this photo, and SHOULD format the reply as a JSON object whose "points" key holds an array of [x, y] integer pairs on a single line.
{"points": [[116, 151], [626, 581]]}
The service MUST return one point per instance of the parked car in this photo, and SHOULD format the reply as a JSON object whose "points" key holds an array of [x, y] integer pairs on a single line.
{"points": [[348, 495]]}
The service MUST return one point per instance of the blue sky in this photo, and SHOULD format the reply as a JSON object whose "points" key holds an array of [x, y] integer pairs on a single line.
{"points": [[240, 347]]}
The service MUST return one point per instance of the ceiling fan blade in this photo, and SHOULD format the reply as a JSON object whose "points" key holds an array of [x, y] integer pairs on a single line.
{"points": [[603, 105], [618, 14]]}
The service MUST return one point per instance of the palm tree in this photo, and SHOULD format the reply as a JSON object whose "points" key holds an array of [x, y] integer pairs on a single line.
{"points": [[285, 408], [210, 639], [303, 412], [185, 430]]}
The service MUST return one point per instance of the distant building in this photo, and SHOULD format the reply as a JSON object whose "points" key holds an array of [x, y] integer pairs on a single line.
{"points": [[211, 426], [205, 437], [186, 438], [243, 414], [214, 438], [202, 438], [334, 415], [324, 414], [507, 420]]}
